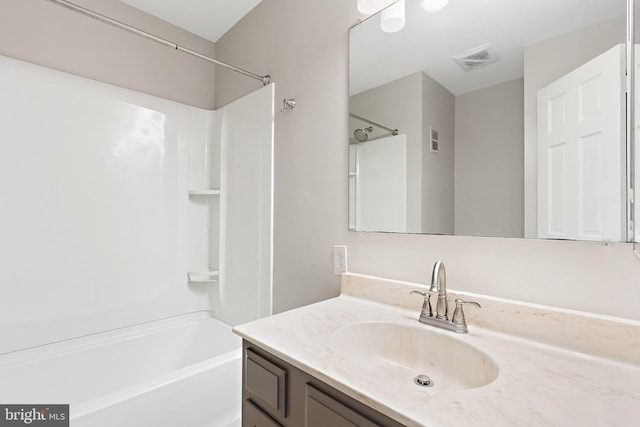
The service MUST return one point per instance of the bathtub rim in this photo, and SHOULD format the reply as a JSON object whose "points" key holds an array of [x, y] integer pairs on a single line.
{"points": [[82, 409], [60, 348]]}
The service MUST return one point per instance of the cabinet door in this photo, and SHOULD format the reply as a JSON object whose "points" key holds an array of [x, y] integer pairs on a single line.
{"points": [[265, 383], [252, 416], [322, 411]]}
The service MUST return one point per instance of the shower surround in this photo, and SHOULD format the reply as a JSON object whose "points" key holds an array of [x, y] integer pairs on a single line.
{"points": [[121, 209]]}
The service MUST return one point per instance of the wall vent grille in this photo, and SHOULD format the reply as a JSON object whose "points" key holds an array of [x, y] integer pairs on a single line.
{"points": [[435, 141]]}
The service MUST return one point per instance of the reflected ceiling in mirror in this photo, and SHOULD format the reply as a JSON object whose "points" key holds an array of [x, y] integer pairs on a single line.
{"points": [[491, 118]]}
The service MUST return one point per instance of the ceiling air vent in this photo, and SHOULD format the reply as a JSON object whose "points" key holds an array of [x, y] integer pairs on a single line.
{"points": [[477, 57]]}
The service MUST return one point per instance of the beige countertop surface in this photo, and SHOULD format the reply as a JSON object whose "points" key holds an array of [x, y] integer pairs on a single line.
{"points": [[555, 367]]}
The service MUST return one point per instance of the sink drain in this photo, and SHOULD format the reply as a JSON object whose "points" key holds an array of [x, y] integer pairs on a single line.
{"points": [[423, 381]]}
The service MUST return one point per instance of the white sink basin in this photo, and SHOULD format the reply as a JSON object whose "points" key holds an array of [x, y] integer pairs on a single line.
{"points": [[403, 352]]}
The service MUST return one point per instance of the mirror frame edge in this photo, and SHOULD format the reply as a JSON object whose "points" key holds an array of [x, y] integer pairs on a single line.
{"points": [[630, 140]]}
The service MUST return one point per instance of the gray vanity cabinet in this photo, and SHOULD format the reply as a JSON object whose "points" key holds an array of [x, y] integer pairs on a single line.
{"points": [[275, 393]]}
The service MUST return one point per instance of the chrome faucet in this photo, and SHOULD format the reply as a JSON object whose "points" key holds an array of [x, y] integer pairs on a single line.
{"points": [[439, 284], [458, 322]]}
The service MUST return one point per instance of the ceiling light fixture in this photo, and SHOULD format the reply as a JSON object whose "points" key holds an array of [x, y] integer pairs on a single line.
{"points": [[434, 5], [392, 18]]}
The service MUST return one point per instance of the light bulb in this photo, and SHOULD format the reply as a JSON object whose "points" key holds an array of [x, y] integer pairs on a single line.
{"points": [[368, 7], [434, 5], [392, 18]]}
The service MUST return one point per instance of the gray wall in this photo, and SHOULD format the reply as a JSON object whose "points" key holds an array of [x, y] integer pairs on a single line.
{"points": [[43, 33], [438, 170], [303, 44], [490, 161]]}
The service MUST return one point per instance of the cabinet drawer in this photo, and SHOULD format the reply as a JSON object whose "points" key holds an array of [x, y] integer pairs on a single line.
{"points": [[323, 410], [252, 416], [266, 383]]}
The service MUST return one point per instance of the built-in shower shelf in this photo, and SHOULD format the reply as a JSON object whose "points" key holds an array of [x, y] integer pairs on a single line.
{"points": [[209, 276], [206, 192]]}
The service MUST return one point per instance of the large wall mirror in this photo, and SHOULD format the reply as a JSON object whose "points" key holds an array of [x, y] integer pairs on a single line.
{"points": [[491, 118]]}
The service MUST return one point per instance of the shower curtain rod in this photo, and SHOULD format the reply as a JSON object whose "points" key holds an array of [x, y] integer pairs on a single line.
{"points": [[393, 131], [266, 79]]}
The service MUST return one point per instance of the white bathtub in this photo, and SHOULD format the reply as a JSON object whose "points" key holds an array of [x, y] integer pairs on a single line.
{"points": [[183, 371]]}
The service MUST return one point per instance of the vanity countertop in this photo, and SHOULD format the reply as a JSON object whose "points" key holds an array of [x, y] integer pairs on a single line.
{"points": [[556, 367]]}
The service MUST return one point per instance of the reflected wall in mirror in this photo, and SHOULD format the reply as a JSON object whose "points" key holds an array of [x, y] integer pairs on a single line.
{"points": [[522, 137]]}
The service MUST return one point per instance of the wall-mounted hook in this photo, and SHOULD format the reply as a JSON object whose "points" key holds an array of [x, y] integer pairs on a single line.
{"points": [[288, 104]]}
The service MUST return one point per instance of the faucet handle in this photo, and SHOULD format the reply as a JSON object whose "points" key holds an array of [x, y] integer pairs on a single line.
{"points": [[426, 304], [458, 313]]}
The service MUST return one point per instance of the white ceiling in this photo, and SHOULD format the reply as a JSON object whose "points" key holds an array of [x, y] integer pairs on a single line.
{"points": [[207, 18], [428, 41]]}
